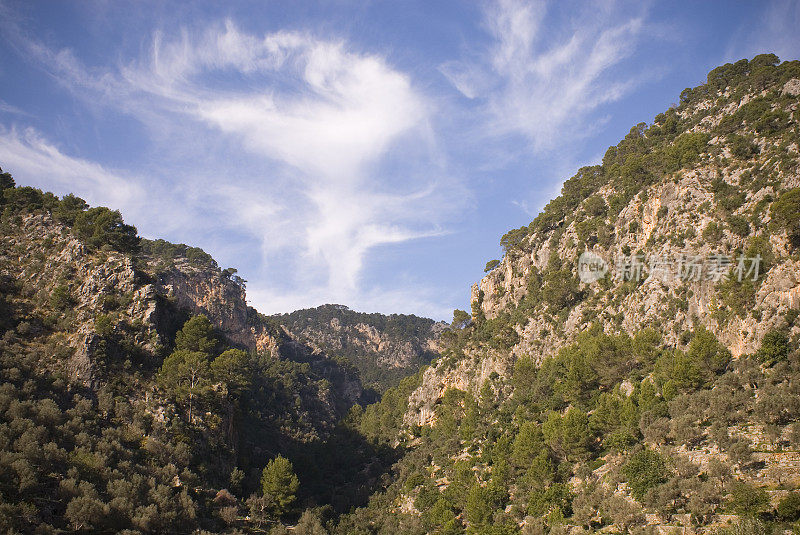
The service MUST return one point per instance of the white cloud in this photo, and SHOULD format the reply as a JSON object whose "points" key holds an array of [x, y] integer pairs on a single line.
{"points": [[544, 86], [320, 108], [775, 31], [28, 154], [313, 123], [5, 107], [340, 115]]}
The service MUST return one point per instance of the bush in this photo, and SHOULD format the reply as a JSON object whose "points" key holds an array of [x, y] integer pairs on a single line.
{"points": [[645, 470], [100, 226], [69, 209], [595, 206], [61, 298], [103, 325], [741, 147], [746, 526], [748, 500], [6, 182], [785, 211], [712, 232], [708, 353], [789, 507], [490, 265], [739, 225], [774, 347], [685, 150], [728, 197]]}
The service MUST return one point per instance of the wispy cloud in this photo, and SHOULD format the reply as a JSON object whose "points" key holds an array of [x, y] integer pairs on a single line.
{"points": [[541, 85], [313, 123], [27, 152], [5, 107], [775, 31]]}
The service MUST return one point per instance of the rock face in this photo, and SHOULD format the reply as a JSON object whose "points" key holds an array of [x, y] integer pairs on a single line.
{"points": [[139, 301], [57, 273], [667, 366], [383, 348], [207, 290], [145, 298], [717, 205]]}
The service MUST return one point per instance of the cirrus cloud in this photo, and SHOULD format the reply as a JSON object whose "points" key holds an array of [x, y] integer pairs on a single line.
{"points": [[301, 128]]}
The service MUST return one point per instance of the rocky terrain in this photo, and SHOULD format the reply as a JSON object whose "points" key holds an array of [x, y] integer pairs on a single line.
{"points": [[383, 348], [153, 342], [657, 392], [556, 395], [690, 210]]}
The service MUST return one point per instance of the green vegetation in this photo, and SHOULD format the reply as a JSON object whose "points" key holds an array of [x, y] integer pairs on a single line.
{"points": [[279, 482], [789, 507], [570, 415], [645, 470], [345, 334], [99, 227], [165, 254], [96, 227], [785, 212], [540, 417], [774, 348], [650, 153]]}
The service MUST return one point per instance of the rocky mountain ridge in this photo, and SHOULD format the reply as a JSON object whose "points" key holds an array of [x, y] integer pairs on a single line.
{"points": [[674, 216], [384, 348], [139, 392], [622, 403], [144, 374]]}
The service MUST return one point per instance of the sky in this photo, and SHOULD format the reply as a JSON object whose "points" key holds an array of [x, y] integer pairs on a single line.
{"points": [[363, 153]]}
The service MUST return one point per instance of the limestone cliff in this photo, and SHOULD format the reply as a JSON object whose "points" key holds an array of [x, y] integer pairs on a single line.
{"points": [[105, 305], [716, 204], [675, 219], [383, 348]]}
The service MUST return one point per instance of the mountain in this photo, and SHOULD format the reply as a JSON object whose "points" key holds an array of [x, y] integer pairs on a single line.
{"points": [[631, 364], [384, 349], [139, 391], [661, 391]]}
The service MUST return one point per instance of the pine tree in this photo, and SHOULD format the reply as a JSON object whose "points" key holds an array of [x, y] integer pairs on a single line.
{"points": [[279, 481]]}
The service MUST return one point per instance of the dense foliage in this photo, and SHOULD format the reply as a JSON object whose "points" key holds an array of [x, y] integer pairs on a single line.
{"points": [[346, 335]]}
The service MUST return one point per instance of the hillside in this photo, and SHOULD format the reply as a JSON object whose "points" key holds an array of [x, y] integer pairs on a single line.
{"points": [[384, 349], [139, 391], [663, 395], [631, 363]]}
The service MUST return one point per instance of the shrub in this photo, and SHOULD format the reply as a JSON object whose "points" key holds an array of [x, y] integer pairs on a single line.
{"points": [[748, 500], [61, 298], [741, 147], [739, 225], [645, 470], [103, 325], [100, 226], [789, 507], [69, 208], [595, 206], [774, 347], [712, 232], [708, 353], [490, 265], [730, 198], [685, 150], [785, 211]]}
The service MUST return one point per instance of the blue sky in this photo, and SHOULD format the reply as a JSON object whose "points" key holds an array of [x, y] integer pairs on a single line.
{"points": [[363, 153]]}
